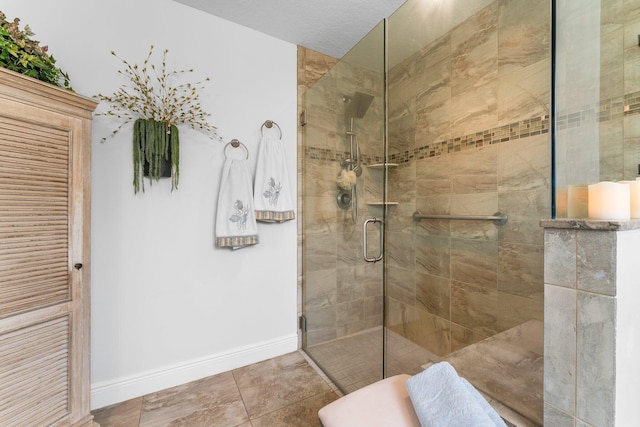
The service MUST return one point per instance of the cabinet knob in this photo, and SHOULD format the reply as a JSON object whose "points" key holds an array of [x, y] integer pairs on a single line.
{"points": [[77, 266]]}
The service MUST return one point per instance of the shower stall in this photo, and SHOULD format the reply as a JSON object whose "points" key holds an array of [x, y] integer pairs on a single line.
{"points": [[434, 123]]}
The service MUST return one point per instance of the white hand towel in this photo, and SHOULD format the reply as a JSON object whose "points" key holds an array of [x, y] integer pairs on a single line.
{"points": [[235, 219], [443, 399], [272, 193]]}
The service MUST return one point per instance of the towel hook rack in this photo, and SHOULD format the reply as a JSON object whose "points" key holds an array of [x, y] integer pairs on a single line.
{"points": [[269, 124], [235, 144]]}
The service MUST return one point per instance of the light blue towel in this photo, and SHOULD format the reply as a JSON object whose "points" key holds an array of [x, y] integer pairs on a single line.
{"points": [[497, 420], [441, 398]]}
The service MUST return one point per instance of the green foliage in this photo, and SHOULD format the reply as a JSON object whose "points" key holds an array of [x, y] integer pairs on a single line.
{"points": [[19, 53], [153, 141]]}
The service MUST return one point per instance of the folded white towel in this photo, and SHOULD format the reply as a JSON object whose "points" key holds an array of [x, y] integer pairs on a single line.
{"points": [[235, 219], [442, 399], [272, 194]]}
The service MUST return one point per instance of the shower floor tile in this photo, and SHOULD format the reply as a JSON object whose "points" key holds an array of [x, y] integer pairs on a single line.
{"points": [[355, 361], [517, 355]]}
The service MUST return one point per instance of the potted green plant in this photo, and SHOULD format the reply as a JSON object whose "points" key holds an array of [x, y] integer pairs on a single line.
{"points": [[19, 53], [156, 105]]}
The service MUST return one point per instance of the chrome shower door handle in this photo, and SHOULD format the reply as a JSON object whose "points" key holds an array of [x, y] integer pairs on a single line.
{"points": [[365, 255]]}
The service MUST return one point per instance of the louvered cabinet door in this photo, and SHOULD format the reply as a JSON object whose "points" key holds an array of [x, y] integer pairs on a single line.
{"points": [[44, 209]]}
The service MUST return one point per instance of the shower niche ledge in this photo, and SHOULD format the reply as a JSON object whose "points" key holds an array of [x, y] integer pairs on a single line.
{"points": [[383, 165], [381, 203]]}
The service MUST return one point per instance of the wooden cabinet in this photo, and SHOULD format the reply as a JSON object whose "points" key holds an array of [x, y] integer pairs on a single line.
{"points": [[45, 141]]}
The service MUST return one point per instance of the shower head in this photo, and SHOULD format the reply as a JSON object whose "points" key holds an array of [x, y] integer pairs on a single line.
{"points": [[358, 104]]}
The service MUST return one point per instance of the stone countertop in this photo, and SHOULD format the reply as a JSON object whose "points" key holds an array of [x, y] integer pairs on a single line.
{"points": [[590, 224]]}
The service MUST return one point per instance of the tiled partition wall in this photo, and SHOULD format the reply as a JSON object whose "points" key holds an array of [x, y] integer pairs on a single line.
{"points": [[591, 354], [468, 126]]}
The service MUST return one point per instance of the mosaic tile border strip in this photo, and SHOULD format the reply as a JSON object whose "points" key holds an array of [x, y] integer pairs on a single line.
{"points": [[605, 110], [327, 155], [522, 129]]}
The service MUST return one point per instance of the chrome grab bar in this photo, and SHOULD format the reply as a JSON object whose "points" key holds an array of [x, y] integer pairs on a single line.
{"points": [[498, 218], [364, 239]]}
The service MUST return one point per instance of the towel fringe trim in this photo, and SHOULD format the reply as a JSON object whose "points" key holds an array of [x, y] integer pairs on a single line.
{"points": [[236, 241], [274, 216]]}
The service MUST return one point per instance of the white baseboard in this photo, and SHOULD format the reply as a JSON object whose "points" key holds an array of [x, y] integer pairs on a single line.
{"points": [[109, 392]]}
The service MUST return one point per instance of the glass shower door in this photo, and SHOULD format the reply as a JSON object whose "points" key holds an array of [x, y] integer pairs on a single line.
{"points": [[343, 212]]}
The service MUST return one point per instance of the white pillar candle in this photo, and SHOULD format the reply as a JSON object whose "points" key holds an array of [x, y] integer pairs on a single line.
{"points": [[577, 196], [609, 201], [634, 196]]}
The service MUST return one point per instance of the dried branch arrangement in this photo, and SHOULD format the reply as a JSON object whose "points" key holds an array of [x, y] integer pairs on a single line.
{"points": [[153, 95]]}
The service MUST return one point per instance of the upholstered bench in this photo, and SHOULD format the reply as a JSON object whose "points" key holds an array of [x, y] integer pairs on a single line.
{"points": [[381, 404]]}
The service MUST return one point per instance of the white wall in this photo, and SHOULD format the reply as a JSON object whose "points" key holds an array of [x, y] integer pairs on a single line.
{"points": [[167, 307]]}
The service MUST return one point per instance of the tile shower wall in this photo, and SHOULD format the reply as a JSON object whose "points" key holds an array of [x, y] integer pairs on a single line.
{"points": [[468, 126], [342, 294]]}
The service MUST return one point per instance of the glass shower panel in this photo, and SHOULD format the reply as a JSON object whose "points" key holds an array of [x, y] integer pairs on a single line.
{"points": [[468, 127], [462, 99], [343, 183], [597, 134]]}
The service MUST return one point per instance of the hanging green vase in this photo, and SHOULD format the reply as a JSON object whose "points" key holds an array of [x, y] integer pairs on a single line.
{"points": [[156, 152]]}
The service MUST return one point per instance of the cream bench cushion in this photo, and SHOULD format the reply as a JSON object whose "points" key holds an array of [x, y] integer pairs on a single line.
{"points": [[381, 404]]}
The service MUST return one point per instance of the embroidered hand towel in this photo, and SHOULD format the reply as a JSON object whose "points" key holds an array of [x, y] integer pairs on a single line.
{"points": [[272, 194], [235, 219]]}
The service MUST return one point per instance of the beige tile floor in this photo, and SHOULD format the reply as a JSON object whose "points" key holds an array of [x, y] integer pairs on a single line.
{"points": [[283, 391], [289, 390]]}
